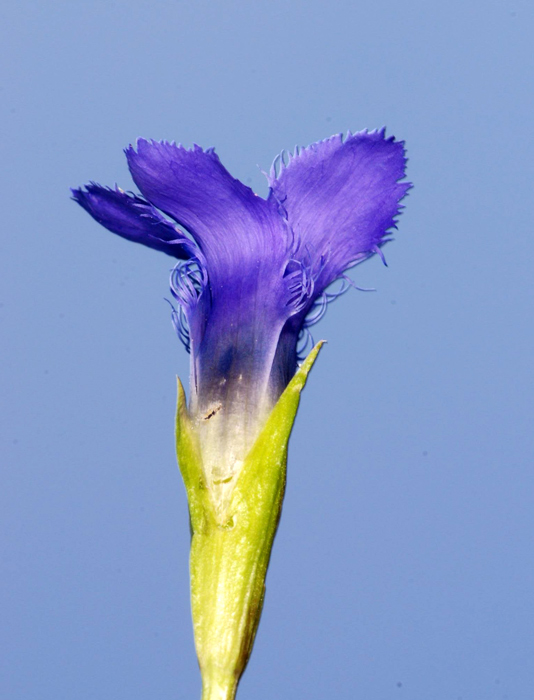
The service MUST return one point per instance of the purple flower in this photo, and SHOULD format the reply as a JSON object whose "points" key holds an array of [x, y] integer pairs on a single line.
{"points": [[252, 273]]}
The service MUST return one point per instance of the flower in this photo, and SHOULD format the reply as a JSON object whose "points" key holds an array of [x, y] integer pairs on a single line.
{"points": [[252, 272], [252, 275]]}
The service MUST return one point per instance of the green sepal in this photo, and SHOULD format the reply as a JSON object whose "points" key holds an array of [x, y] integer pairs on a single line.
{"points": [[190, 463], [230, 552]]}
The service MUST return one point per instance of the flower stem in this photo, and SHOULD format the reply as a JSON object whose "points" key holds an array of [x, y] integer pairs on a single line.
{"points": [[218, 688]]}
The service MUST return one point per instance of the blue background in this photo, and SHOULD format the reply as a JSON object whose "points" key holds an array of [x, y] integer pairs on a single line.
{"points": [[403, 565]]}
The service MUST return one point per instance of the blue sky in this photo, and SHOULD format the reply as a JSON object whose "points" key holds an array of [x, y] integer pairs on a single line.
{"points": [[402, 569]]}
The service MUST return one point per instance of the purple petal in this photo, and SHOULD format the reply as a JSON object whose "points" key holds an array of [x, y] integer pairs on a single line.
{"points": [[232, 225], [238, 312], [133, 218], [245, 246], [341, 198]]}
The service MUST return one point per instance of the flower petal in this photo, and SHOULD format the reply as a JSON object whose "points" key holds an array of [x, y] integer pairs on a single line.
{"points": [[245, 246], [133, 218], [232, 225], [341, 197]]}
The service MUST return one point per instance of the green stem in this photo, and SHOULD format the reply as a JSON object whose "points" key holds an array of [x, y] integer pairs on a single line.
{"points": [[214, 688]]}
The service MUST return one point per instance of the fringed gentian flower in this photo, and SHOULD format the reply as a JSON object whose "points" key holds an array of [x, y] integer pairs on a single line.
{"points": [[252, 275]]}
